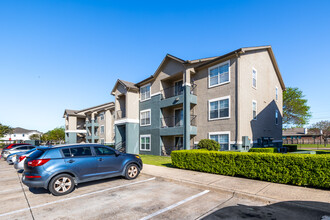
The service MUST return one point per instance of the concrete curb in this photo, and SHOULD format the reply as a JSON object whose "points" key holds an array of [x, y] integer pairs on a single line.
{"points": [[238, 194]]}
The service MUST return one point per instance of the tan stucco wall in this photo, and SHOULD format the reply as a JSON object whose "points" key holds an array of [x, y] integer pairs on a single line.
{"points": [[109, 126], [132, 103], [72, 123], [170, 67], [204, 126], [264, 94]]}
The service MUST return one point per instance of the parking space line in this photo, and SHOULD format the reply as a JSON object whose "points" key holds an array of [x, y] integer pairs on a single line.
{"points": [[175, 205], [76, 197]]}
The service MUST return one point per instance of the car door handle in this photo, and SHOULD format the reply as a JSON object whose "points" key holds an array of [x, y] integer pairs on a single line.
{"points": [[100, 159], [70, 161]]}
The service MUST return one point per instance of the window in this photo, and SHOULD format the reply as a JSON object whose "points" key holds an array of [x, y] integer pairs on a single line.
{"points": [[222, 138], [23, 135], [276, 117], [101, 151], [101, 116], [102, 129], [145, 92], [145, 117], [102, 141], [254, 110], [66, 152], [178, 117], [145, 142], [219, 108], [254, 78], [276, 93], [219, 74], [80, 151]]}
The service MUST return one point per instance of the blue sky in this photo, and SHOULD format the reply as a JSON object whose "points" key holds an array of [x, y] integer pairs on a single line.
{"points": [[68, 54]]}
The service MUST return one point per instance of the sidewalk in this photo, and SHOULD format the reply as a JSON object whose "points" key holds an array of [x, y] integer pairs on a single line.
{"points": [[270, 192]]}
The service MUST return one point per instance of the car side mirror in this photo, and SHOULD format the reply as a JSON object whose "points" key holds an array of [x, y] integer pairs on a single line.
{"points": [[117, 153]]}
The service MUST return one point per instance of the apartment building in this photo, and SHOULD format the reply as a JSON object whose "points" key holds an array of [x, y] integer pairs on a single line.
{"points": [[235, 99], [90, 125]]}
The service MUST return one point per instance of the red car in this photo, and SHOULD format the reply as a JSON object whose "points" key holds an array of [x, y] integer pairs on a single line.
{"points": [[13, 145]]}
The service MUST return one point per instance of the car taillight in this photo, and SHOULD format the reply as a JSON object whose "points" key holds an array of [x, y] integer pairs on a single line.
{"points": [[10, 146], [21, 158], [39, 162], [32, 177]]}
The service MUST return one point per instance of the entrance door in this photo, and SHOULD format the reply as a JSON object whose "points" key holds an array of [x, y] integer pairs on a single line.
{"points": [[178, 117]]}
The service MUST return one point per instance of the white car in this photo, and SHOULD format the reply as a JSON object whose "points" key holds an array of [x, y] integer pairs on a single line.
{"points": [[20, 158]]}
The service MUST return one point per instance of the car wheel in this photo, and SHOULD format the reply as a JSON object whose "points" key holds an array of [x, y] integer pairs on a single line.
{"points": [[132, 171], [61, 185]]}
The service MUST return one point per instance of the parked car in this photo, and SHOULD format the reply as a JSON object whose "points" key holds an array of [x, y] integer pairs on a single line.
{"points": [[18, 148], [12, 158], [60, 168], [20, 158], [13, 145]]}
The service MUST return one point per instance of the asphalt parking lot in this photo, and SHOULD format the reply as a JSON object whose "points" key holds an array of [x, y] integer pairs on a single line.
{"points": [[146, 197]]}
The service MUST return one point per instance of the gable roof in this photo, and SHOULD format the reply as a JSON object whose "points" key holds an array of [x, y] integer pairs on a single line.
{"points": [[204, 62], [82, 112], [128, 86], [20, 130]]}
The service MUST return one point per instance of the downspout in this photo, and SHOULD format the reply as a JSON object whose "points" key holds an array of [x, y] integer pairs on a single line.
{"points": [[236, 100]]}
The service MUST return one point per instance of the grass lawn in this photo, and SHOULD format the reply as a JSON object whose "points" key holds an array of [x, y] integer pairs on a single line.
{"points": [[157, 160], [319, 146]]}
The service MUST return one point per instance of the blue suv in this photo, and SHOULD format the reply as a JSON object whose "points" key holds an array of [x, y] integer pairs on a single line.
{"points": [[60, 168]]}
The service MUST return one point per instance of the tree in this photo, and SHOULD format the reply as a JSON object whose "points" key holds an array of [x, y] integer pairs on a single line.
{"points": [[4, 129], [323, 126], [57, 135], [295, 108], [34, 137]]}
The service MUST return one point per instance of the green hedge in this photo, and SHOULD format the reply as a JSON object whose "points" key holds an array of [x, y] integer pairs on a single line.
{"points": [[301, 170], [264, 150], [291, 148]]}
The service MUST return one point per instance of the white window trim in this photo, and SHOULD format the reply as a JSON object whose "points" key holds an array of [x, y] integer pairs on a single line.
{"points": [[144, 136], [276, 111], [255, 87], [218, 99], [276, 93], [212, 67], [101, 129], [146, 110], [141, 93], [219, 133], [254, 101]]}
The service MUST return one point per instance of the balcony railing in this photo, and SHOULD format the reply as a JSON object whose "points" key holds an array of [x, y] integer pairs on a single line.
{"points": [[176, 91], [169, 122], [120, 114]]}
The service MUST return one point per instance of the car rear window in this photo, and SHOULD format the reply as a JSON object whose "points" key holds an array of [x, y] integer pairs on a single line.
{"points": [[37, 154]]}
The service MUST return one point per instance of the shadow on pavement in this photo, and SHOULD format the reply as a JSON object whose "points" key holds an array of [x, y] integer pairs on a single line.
{"points": [[80, 185], [282, 210]]}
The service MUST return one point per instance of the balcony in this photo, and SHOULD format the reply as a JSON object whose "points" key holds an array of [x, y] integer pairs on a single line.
{"points": [[89, 124], [174, 126], [120, 114], [174, 95]]}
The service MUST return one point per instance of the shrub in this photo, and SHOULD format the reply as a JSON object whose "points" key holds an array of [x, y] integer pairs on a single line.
{"points": [[296, 169], [291, 148], [264, 150], [208, 144]]}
